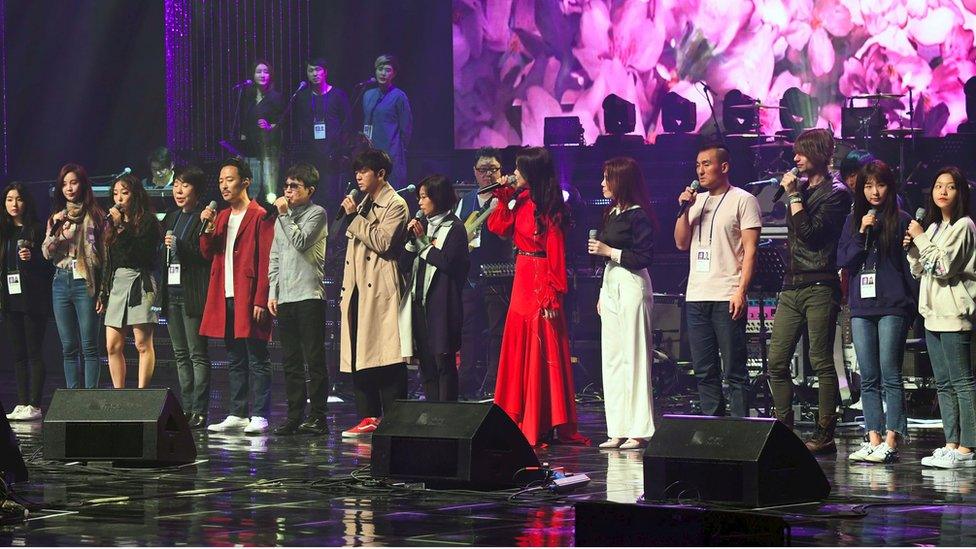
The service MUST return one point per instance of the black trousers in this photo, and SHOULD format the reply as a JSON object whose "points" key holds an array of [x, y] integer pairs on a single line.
{"points": [[378, 387], [300, 329], [26, 334], [437, 370]]}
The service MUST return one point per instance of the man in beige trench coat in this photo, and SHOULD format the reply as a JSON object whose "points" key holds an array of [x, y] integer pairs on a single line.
{"points": [[372, 347]]}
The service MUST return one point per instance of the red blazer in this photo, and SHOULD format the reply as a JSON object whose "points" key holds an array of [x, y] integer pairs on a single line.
{"points": [[252, 250]]}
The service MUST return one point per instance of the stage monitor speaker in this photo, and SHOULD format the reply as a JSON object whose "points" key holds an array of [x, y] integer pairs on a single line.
{"points": [[451, 444], [607, 524], [752, 462], [12, 468], [127, 426]]}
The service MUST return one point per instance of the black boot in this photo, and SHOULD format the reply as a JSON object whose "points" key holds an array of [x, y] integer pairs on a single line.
{"points": [[822, 440]]}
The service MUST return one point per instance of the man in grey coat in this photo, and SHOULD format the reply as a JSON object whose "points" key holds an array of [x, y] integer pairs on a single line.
{"points": [[297, 298]]}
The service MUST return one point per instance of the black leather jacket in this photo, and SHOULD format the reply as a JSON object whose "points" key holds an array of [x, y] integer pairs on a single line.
{"points": [[814, 233]]}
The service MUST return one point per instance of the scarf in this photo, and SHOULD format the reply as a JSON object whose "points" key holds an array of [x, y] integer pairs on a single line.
{"points": [[85, 239]]}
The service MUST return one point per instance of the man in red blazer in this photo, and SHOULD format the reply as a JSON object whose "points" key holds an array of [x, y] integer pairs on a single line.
{"points": [[238, 242]]}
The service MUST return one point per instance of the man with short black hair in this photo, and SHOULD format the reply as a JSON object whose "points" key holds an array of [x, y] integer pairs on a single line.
{"points": [[321, 114], [161, 172], [238, 242], [297, 297]]}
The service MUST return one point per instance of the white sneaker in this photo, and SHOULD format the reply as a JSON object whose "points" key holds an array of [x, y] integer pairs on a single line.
{"points": [[937, 454], [231, 423], [883, 453], [258, 425], [953, 460], [15, 413], [29, 413], [862, 453]]}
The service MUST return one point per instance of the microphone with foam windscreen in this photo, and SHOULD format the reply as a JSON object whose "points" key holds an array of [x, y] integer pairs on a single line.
{"points": [[169, 249], [781, 190], [685, 204], [869, 232]]}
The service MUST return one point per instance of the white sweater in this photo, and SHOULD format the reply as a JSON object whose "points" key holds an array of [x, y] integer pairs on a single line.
{"points": [[944, 259]]}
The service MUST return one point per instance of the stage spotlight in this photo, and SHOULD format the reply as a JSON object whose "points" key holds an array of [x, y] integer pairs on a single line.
{"points": [[799, 112], [739, 113], [678, 115], [619, 115]]}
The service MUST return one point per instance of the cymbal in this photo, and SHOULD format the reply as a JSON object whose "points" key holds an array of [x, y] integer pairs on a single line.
{"points": [[879, 96], [751, 106]]}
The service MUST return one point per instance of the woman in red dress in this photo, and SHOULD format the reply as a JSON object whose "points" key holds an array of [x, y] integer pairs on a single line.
{"points": [[535, 377]]}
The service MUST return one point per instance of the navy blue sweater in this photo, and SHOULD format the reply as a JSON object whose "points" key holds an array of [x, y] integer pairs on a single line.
{"points": [[897, 289]]}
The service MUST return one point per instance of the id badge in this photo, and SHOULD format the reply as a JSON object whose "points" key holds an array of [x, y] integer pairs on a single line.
{"points": [[703, 263], [869, 288], [13, 284], [368, 131], [319, 130], [173, 278], [78, 275]]}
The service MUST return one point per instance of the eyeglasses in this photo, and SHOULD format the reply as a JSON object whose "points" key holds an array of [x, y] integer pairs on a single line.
{"points": [[487, 170], [295, 186]]}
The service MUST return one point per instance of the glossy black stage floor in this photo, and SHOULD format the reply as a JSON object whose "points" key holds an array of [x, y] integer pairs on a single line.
{"points": [[317, 491]]}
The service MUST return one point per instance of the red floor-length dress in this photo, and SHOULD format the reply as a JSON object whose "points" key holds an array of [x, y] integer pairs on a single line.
{"points": [[535, 377]]}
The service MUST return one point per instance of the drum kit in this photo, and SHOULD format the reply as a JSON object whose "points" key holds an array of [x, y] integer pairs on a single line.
{"points": [[861, 126]]}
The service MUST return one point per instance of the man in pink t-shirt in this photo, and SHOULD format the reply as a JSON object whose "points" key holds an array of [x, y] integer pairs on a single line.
{"points": [[721, 230]]}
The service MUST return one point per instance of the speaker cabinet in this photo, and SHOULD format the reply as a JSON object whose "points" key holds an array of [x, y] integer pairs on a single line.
{"points": [[606, 524], [12, 468], [752, 462], [131, 426], [450, 444]]}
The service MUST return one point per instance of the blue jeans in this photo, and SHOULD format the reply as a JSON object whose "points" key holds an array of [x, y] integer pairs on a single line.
{"points": [[711, 330], [247, 357], [879, 342], [74, 313], [264, 177], [949, 353]]}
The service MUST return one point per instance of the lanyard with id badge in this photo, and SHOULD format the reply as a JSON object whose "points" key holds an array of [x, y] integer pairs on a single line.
{"points": [[174, 270], [13, 277], [703, 261], [868, 281], [318, 122], [368, 126]]}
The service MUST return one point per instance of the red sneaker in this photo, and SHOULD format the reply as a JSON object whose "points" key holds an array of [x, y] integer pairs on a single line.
{"points": [[365, 428]]}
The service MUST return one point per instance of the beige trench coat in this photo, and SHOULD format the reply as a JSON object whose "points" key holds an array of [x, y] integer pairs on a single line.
{"points": [[375, 241]]}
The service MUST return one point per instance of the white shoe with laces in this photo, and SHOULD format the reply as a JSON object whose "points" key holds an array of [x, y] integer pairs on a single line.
{"points": [[15, 413], [883, 453], [258, 425], [29, 413], [229, 424], [937, 454], [953, 459], [862, 453]]}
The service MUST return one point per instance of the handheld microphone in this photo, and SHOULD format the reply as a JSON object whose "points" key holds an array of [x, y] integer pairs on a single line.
{"points": [[23, 244], [781, 190], [408, 189], [208, 227], [695, 185], [169, 249], [419, 216], [243, 84], [919, 217], [868, 233], [508, 180], [118, 208], [367, 82]]}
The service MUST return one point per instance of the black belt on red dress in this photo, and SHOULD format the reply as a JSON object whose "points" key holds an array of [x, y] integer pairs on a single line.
{"points": [[530, 254]]}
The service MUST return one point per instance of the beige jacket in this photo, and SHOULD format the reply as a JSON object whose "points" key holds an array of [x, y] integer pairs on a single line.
{"points": [[376, 236], [944, 260]]}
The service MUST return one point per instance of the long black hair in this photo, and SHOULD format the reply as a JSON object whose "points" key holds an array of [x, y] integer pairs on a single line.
{"points": [[933, 214], [28, 215], [536, 166], [888, 212]]}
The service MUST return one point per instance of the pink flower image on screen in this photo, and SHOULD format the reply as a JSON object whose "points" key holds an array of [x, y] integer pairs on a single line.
{"points": [[517, 62]]}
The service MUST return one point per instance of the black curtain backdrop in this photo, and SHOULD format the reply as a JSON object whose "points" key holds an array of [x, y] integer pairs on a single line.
{"points": [[84, 84]]}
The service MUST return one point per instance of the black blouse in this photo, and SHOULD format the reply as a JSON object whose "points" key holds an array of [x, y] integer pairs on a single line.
{"points": [[256, 142], [631, 232]]}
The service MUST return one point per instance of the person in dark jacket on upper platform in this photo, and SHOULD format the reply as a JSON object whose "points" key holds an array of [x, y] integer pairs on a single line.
{"points": [[883, 297]]}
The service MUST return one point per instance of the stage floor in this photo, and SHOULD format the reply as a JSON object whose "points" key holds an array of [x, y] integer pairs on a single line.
{"points": [[315, 491]]}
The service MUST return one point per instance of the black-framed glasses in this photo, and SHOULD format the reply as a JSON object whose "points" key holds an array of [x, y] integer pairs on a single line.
{"points": [[487, 170], [295, 186]]}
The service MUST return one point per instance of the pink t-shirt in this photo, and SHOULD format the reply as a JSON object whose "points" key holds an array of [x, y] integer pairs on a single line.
{"points": [[717, 223]]}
